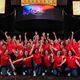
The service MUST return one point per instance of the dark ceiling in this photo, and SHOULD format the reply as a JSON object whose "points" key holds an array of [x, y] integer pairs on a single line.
{"points": [[70, 23]]}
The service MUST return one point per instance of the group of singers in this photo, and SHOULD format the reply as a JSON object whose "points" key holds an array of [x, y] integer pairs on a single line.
{"points": [[39, 56]]}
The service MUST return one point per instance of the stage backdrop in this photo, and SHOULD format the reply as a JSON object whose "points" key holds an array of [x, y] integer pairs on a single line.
{"points": [[46, 12]]}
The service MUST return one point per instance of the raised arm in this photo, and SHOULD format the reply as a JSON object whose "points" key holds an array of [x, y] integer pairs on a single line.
{"points": [[32, 49], [44, 36], [55, 35], [6, 35], [40, 46], [20, 38], [36, 36], [25, 34], [47, 36], [72, 36]]}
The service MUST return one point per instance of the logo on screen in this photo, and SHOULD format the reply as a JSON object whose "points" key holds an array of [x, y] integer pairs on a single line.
{"points": [[35, 9]]}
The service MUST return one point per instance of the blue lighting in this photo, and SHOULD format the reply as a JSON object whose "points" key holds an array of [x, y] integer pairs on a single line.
{"points": [[27, 9]]}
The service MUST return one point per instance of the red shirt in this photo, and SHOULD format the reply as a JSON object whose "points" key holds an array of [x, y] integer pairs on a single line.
{"points": [[4, 60], [78, 55], [57, 61], [14, 46], [47, 60], [20, 47], [28, 50], [57, 46], [1, 48], [69, 46], [18, 57], [28, 62], [71, 62], [37, 58], [1, 53], [9, 47], [46, 46], [75, 47]]}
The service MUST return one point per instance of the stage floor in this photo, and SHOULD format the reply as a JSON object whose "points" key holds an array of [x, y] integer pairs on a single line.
{"points": [[37, 78]]}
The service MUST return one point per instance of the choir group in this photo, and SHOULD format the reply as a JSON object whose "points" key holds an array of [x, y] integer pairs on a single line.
{"points": [[40, 55]]}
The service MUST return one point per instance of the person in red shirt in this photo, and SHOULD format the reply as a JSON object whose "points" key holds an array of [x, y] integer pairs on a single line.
{"points": [[14, 45], [19, 64], [72, 64], [8, 43], [47, 63], [78, 55], [6, 63], [27, 64], [57, 59], [46, 45], [37, 62], [28, 48], [57, 45], [64, 54], [1, 46], [36, 36], [20, 46], [1, 51], [9, 46], [75, 45], [68, 45]]}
